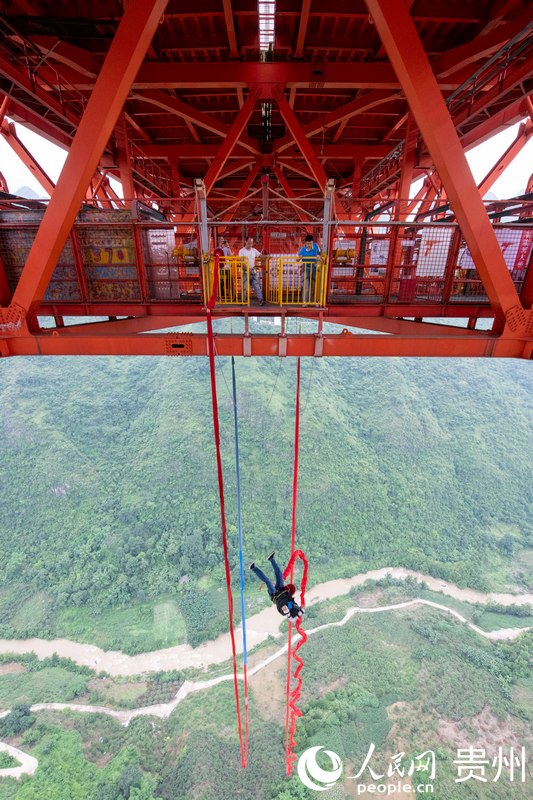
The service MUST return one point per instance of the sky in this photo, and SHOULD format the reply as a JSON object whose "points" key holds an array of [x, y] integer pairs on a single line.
{"points": [[510, 184]]}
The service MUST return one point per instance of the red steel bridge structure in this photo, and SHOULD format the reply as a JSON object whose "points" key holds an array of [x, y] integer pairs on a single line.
{"points": [[348, 119]]}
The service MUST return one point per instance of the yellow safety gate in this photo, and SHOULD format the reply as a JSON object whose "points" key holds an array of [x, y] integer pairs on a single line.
{"points": [[290, 281], [285, 280]]}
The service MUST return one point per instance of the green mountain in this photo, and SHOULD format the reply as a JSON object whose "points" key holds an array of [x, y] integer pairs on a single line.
{"points": [[108, 491]]}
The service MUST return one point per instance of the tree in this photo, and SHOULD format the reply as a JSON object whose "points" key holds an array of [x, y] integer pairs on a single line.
{"points": [[130, 776], [18, 720]]}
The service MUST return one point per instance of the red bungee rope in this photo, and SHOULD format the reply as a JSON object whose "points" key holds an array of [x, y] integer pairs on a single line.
{"points": [[292, 697], [243, 741], [292, 710]]}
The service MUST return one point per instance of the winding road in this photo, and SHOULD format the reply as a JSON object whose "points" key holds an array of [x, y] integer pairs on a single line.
{"points": [[259, 628], [28, 764]]}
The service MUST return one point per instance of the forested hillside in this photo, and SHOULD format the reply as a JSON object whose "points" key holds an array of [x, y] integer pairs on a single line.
{"points": [[108, 484]]}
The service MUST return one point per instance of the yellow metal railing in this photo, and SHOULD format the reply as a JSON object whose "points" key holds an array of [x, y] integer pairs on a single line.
{"points": [[292, 282], [233, 286], [286, 280]]}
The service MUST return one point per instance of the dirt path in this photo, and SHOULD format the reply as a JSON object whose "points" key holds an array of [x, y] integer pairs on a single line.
{"points": [[28, 764], [163, 710], [259, 628]]}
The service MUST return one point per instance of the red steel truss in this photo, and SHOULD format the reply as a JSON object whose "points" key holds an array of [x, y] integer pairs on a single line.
{"points": [[369, 94]]}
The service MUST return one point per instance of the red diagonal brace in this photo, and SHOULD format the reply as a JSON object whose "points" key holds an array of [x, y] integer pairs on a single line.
{"points": [[8, 132], [122, 62], [231, 139], [405, 51], [243, 191], [284, 183], [524, 134], [300, 138], [230, 27]]}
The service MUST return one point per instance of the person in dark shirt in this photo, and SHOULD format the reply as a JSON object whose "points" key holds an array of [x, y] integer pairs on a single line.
{"points": [[280, 594], [309, 255]]}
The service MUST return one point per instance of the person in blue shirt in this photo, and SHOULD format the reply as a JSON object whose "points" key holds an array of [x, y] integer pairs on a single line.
{"points": [[309, 254], [281, 595]]}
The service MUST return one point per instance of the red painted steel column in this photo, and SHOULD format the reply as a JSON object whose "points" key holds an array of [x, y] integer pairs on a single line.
{"points": [[414, 72], [122, 63]]}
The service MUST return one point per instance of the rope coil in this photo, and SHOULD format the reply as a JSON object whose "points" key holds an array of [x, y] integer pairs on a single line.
{"points": [[292, 710]]}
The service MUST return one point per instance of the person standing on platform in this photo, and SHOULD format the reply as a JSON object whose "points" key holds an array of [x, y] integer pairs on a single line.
{"points": [[250, 255], [225, 282], [223, 244], [309, 254]]}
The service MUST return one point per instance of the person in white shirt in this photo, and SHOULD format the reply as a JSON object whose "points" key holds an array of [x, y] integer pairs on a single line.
{"points": [[250, 254]]}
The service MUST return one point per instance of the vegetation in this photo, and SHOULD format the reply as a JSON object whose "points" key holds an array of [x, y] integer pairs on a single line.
{"points": [[108, 498], [412, 680], [109, 533], [17, 721], [7, 761]]}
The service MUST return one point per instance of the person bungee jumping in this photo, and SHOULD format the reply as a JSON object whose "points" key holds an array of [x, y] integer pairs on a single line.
{"points": [[280, 594]]}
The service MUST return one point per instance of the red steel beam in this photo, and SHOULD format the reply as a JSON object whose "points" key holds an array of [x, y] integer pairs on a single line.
{"points": [[4, 108], [344, 151], [179, 310], [298, 168], [235, 166], [403, 327], [195, 151], [230, 27], [300, 138], [344, 112], [123, 59], [500, 11], [35, 122], [191, 115], [174, 105], [410, 61], [482, 46], [302, 29], [199, 151], [524, 134], [418, 196], [328, 345], [509, 115], [284, 183], [81, 60], [243, 191], [9, 135], [515, 74], [230, 74], [34, 91], [127, 326]]}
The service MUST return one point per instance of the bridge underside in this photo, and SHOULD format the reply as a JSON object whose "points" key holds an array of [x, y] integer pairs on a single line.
{"points": [[273, 120]]}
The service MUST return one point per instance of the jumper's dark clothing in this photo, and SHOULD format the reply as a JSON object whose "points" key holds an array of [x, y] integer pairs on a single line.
{"points": [[279, 593]]}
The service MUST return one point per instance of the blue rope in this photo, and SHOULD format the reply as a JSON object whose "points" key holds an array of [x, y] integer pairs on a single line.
{"points": [[239, 518]]}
